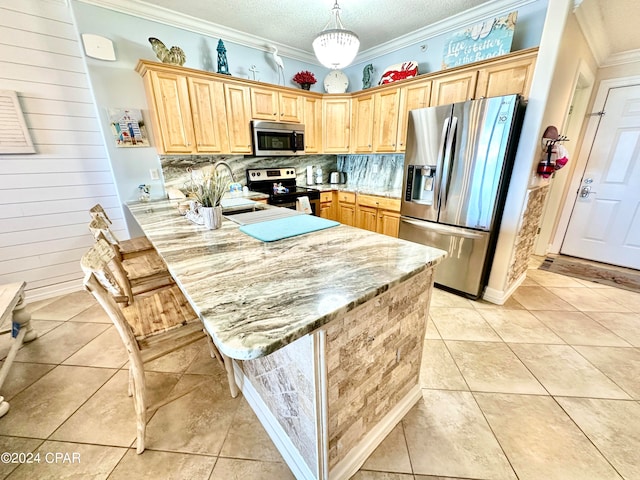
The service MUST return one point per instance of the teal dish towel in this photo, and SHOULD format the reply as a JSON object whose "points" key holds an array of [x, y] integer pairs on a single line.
{"points": [[273, 230]]}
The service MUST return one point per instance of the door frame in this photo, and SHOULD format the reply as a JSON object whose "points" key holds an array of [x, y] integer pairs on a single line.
{"points": [[585, 152]]}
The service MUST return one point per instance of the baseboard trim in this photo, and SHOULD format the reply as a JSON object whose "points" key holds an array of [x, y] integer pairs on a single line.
{"points": [[500, 296], [281, 440], [348, 467], [49, 291]]}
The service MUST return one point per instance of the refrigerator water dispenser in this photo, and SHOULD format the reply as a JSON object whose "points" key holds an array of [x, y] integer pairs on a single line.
{"points": [[420, 184]]}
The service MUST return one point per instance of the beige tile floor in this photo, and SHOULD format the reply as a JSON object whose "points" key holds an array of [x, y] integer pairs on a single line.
{"points": [[545, 387]]}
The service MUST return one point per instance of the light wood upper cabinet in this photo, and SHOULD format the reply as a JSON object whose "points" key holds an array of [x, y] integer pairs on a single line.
{"points": [[168, 98], [412, 96], [312, 124], [505, 77], [336, 128], [386, 121], [201, 112], [277, 106], [454, 87], [209, 115], [362, 123], [238, 106]]}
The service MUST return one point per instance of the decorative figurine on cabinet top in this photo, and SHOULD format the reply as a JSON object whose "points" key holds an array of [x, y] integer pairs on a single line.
{"points": [[367, 73], [173, 56], [223, 66]]}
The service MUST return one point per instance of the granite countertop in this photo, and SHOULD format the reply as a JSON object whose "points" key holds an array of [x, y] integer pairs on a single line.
{"points": [[346, 187], [256, 297]]}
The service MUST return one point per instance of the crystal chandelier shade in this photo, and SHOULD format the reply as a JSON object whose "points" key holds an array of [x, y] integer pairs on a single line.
{"points": [[336, 47]]}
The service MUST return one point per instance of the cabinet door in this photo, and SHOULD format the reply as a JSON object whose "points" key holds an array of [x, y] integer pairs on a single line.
{"points": [[385, 125], [291, 107], [209, 116], [238, 107], [362, 132], [172, 111], [456, 87], [347, 208], [411, 98], [264, 104], [367, 218], [388, 222], [336, 115], [506, 77], [312, 125]]}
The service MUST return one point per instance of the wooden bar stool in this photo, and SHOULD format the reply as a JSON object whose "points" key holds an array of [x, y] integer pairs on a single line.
{"points": [[145, 271], [128, 248], [152, 326]]}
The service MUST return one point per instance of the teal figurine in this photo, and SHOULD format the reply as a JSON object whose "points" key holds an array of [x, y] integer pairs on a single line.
{"points": [[223, 66], [367, 73]]}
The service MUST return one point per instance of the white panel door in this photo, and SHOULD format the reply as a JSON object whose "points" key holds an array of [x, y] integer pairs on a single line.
{"points": [[605, 223]]}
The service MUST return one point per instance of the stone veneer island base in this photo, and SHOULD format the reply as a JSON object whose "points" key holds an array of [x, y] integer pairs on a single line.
{"points": [[328, 399], [324, 331]]}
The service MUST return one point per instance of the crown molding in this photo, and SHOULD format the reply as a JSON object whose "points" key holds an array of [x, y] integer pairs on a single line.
{"points": [[450, 24], [630, 56], [142, 9], [147, 11]]}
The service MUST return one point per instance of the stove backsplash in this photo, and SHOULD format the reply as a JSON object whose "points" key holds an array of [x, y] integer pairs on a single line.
{"points": [[174, 167], [376, 172]]}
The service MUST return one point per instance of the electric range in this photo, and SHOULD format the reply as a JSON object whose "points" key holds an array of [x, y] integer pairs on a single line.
{"points": [[280, 185]]}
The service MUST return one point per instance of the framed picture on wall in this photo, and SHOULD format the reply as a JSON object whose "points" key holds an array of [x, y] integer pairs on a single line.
{"points": [[127, 127], [487, 39]]}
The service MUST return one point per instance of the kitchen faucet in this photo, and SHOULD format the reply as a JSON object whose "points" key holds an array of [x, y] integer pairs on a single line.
{"points": [[225, 164]]}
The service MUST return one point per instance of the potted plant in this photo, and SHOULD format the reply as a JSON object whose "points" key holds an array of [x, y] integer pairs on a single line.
{"points": [[208, 187], [305, 79]]}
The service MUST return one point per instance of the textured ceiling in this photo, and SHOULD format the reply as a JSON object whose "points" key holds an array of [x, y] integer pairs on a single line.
{"points": [[610, 25], [296, 22]]}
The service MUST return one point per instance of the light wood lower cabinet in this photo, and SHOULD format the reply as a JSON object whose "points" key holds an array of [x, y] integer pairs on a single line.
{"points": [[378, 214], [326, 205], [346, 208]]}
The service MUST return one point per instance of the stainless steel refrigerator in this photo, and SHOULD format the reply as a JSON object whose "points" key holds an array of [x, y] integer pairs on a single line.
{"points": [[458, 162]]}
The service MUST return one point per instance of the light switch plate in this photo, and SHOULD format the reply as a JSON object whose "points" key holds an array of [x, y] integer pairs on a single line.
{"points": [[98, 47]]}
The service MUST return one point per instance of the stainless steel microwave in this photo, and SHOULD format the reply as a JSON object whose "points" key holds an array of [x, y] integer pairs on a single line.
{"points": [[277, 138]]}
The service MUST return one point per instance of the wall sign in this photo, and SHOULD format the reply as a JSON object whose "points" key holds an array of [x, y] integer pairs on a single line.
{"points": [[487, 39]]}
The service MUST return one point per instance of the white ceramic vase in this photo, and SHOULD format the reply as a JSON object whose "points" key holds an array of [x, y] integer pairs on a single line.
{"points": [[212, 217]]}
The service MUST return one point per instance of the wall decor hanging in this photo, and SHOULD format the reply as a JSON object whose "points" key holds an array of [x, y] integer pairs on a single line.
{"points": [[127, 127], [483, 40], [554, 155]]}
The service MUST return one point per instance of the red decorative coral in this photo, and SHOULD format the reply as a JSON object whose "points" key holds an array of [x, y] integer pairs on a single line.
{"points": [[303, 77]]}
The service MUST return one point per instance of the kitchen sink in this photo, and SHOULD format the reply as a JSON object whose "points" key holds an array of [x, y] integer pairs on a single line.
{"points": [[247, 216], [235, 210]]}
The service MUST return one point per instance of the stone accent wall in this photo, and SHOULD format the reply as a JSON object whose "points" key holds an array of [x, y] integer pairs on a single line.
{"points": [[285, 381], [373, 357], [527, 232]]}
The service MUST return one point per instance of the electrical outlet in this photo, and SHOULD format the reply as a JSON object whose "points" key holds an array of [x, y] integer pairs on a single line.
{"points": [[154, 174]]}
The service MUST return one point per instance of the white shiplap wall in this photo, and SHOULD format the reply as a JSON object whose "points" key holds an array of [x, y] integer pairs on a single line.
{"points": [[44, 197]]}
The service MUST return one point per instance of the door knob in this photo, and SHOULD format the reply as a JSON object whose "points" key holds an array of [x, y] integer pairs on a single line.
{"points": [[586, 191]]}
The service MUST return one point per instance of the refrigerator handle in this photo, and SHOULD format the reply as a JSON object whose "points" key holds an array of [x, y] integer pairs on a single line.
{"points": [[441, 161], [446, 163], [438, 227]]}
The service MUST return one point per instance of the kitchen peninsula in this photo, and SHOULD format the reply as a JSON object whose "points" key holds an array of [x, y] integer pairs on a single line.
{"points": [[325, 329]]}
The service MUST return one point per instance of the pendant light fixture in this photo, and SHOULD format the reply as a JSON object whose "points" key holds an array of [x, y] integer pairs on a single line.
{"points": [[336, 47]]}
